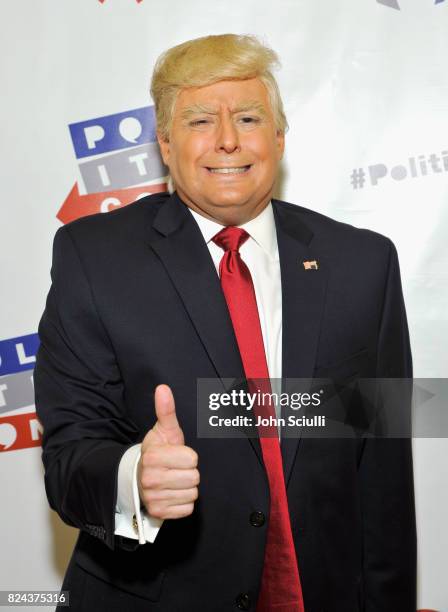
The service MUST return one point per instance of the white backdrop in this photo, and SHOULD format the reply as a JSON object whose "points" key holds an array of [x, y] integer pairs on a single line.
{"points": [[365, 87]]}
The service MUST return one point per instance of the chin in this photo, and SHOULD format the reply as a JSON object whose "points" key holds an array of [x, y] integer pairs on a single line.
{"points": [[231, 215], [228, 198]]}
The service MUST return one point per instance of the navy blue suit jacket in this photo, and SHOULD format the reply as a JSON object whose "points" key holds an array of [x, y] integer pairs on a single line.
{"points": [[135, 301]]}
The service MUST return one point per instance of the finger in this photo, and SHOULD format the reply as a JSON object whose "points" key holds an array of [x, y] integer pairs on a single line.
{"points": [[169, 479], [170, 497], [169, 456], [171, 512], [167, 423]]}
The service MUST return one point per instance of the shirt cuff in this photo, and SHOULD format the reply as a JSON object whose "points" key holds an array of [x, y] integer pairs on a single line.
{"points": [[130, 520]]}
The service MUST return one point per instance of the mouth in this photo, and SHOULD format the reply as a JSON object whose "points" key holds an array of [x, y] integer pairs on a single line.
{"points": [[229, 170]]}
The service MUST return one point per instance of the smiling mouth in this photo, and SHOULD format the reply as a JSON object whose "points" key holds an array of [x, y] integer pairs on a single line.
{"points": [[230, 170]]}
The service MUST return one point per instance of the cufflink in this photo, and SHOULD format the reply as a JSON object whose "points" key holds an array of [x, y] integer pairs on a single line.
{"points": [[135, 524], [311, 265]]}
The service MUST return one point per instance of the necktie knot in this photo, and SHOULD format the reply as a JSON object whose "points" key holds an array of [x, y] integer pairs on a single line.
{"points": [[230, 238]]}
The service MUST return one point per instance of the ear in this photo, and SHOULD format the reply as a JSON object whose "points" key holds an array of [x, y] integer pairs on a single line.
{"points": [[164, 148], [280, 137]]}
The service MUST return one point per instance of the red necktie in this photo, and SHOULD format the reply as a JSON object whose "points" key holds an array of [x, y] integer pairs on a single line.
{"points": [[280, 584]]}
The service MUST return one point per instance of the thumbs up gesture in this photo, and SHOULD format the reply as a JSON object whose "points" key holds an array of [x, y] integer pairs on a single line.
{"points": [[167, 472]]}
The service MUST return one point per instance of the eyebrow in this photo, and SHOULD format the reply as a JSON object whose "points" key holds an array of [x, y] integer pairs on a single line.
{"points": [[244, 107]]}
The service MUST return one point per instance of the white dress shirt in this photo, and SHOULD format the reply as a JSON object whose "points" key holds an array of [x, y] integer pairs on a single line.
{"points": [[260, 253]]}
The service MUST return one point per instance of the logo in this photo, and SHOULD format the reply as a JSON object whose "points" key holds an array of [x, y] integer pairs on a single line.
{"points": [[390, 3], [19, 426], [419, 166], [118, 162], [19, 432], [394, 3]]}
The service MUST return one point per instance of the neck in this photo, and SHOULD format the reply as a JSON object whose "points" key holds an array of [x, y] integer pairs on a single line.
{"points": [[229, 215]]}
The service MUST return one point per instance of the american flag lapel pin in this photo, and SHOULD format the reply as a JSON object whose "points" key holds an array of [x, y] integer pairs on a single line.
{"points": [[311, 265]]}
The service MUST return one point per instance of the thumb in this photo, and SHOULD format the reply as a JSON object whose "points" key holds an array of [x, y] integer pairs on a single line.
{"points": [[167, 426]]}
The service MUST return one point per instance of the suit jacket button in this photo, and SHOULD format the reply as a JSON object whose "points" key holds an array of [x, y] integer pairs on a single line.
{"points": [[257, 518], [243, 601]]}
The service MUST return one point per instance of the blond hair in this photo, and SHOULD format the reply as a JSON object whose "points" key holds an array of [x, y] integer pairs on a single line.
{"points": [[207, 60]]}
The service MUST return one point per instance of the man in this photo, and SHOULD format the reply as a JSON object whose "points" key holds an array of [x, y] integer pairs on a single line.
{"points": [[150, 298]]}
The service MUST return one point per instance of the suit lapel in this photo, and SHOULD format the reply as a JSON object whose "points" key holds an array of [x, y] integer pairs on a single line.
{"points": [[303, 295], [177, 240], [181, 247]]}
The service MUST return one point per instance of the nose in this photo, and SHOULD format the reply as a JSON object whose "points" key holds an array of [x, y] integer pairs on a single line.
{"points": [[227, 137]]}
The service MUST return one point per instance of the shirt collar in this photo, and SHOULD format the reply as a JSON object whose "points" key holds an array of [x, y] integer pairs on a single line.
{"points": [[261, 229]]}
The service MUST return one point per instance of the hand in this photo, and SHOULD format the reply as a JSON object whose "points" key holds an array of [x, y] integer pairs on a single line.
{"points": [[167, 472]]}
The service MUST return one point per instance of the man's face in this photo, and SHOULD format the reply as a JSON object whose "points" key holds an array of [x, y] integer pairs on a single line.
{"points": [[224, 149]]}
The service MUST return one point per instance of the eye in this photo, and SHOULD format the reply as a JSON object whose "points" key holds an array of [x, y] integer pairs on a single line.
{"points": [[248, 120], [199, 122]]}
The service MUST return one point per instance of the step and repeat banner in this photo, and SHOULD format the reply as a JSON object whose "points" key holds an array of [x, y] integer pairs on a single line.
{"points": [[365, 87]]}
